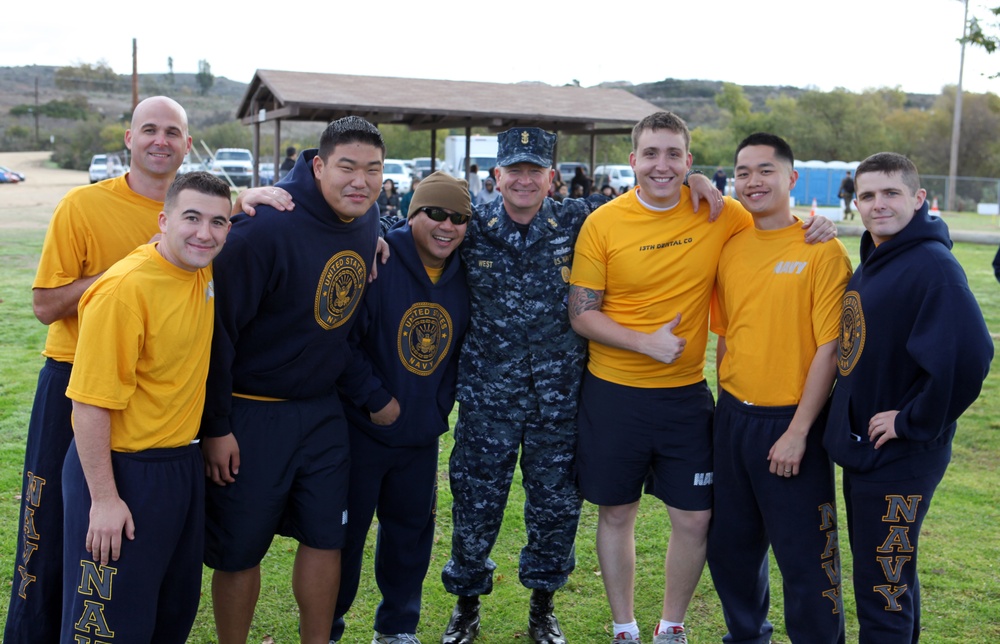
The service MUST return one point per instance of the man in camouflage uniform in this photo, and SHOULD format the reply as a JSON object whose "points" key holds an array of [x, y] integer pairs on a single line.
{"points": [[519, 378]]}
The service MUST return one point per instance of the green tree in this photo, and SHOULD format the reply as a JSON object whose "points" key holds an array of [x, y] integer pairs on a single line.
{"points": [[170, 71], [231, 134], [86, 77], [204, 77]]}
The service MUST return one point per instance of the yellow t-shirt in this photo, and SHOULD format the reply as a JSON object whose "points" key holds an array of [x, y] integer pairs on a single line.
{"points": [[777, 299], [651, 266], [145, 337], [92, 228]]}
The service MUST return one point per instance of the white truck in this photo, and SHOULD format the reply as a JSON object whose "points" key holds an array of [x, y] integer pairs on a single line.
{"points": [[482, 152]]}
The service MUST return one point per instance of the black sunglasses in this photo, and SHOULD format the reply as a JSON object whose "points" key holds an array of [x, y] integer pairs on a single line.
{"points": [[438, 214]]}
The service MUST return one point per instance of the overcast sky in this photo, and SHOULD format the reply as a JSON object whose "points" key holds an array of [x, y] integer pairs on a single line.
{"points": [[855, 44]]}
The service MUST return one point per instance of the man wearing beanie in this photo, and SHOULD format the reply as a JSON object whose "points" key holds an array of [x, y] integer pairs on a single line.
{"points": [[397, 396]]}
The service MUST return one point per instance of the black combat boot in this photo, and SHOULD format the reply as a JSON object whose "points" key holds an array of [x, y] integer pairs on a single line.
{"points": [[464, 624], [543, 627]]}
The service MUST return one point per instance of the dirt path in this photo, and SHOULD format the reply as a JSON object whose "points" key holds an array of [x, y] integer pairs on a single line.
{"points": [[30, 204]]}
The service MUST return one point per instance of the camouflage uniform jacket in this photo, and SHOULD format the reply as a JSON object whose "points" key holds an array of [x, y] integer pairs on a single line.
{"points": [[520, 353]]}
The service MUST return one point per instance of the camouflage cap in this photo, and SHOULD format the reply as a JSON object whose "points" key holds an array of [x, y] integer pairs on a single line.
{"points": [[525, 145]]}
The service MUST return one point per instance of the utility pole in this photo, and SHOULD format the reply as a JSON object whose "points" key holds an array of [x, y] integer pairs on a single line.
{"points": [[135, 76], [956, 124], [35, 113]]}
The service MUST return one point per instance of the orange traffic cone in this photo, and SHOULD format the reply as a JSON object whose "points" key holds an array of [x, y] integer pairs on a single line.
{"points": [[812, 213], [934, 208]]}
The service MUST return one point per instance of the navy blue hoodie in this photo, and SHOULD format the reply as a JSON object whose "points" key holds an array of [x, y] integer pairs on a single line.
{"points": [[406, 345], [912, 339], [288, 286]]}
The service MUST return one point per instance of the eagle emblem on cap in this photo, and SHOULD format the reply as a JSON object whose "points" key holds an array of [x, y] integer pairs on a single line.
{"points": [[525, 137]]}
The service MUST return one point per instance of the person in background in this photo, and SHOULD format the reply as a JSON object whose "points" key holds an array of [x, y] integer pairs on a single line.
{"points": [[720, 179], [404, 203], [488, 194], [847, 194], [288, 163], [388, 199]]}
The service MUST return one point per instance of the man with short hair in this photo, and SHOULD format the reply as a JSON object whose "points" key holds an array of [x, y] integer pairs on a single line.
{"points": [[133, 481], [914, 351], [92, 228], [274, 433], [776, 310], [519, 378], [398, 396], [642, 280]]}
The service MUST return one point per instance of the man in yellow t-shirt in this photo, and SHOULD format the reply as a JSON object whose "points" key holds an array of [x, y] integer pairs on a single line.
{"points": [[777, 314], [134, 486], [640, 291]]}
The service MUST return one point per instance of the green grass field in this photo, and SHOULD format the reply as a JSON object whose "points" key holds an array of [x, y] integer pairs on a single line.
{"points": [[959, 559]]}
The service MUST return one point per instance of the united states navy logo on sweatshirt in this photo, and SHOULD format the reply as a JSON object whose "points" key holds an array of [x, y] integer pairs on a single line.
{"points": [[425, 335], [852, 333], [340, 288]]}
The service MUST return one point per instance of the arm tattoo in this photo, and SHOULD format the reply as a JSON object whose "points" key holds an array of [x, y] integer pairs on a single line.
{"points": [[584, 299]]}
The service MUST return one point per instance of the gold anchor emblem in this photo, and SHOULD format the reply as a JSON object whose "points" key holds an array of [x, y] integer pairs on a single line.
{"points": [[524, 138]]}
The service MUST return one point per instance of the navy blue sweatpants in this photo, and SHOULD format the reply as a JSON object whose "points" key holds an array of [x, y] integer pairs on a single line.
{"points": [[399, 485], [36, 594], [796, 516], [885, 509], [151, 593]]}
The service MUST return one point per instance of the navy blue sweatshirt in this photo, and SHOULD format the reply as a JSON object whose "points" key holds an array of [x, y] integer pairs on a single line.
{"points": [[288, 286], [406, 345], [912, 339]]}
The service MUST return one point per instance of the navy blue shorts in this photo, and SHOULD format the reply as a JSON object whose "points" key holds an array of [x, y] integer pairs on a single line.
{"points": [[151, 593], [294, 471], [627, 433]]}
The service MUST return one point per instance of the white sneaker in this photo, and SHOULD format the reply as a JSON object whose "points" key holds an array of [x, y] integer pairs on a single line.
{"points": [[399, 638], [672, 635], [624, 637]]}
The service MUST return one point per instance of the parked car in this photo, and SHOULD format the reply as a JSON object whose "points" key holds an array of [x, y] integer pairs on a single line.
{"points": [[190, 165], [236, 163], [396, 170], [422, 166], [616, 176], [98, 168], [11, 176], [266, 173]]}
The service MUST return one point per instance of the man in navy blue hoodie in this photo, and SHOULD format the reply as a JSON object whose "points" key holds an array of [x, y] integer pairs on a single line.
{"points": [[397, 395], [274, 436], [913, 353]]}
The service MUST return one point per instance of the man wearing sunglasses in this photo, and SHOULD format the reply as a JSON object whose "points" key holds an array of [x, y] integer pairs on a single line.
{"points": [[398, 395], [519, 378]]}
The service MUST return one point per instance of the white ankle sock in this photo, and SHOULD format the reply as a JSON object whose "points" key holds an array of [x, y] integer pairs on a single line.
{"points": [[632, 628]]}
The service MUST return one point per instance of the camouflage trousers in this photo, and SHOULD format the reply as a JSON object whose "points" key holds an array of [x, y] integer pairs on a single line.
{"points": [[481, 469]]}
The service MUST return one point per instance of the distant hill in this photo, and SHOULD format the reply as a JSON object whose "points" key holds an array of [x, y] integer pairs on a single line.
{"points": [[694, 100]]}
